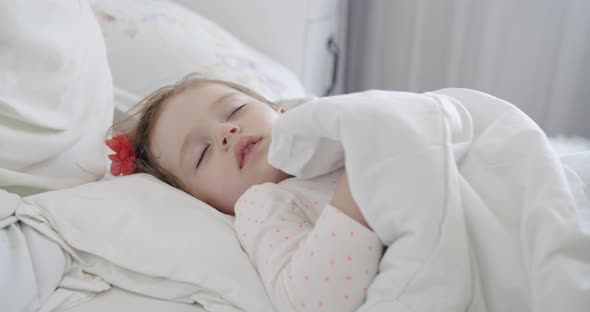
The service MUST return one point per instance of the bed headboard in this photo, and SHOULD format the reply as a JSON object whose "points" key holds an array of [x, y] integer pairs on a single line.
{"points": [[294, 33]]}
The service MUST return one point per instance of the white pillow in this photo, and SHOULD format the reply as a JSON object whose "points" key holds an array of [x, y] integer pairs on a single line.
{"points": [[56, 96], [142, 235], [155, 43]]}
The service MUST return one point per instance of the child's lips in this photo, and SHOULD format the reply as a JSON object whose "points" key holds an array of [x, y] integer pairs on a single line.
{"points": [[241, 146], [251, 152]]}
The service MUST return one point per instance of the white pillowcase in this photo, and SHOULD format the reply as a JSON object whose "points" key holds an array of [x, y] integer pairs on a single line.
{"points": [[144, 236], [56, 96], [155, 43]]}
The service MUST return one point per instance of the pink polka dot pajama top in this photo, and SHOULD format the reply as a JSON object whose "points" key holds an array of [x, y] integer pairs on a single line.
{"points": [[310, 256]]}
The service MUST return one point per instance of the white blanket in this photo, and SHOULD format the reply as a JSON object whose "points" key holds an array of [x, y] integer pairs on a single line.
{"points": [[478, 211]]}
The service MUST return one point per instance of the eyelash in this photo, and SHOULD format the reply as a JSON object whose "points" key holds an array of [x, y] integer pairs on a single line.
{"points": [[235, 111], [203, 155], [207, 148]]}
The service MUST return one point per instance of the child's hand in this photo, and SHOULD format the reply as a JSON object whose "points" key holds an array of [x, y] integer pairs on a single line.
{"points": [[342, 199]]}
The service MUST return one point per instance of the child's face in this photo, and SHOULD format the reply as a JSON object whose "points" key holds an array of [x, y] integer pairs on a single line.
{"points": [[201, 136]]}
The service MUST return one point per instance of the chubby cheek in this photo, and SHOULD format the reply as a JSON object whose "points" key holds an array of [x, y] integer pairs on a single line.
{"points": [[222, 191]]}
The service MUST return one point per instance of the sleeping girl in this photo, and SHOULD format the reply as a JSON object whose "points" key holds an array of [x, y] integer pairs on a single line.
{"points": [[306, 237], [465, 198]]}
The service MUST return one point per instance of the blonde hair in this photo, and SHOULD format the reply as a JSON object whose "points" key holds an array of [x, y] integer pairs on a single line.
{"points": [[141, 119]]}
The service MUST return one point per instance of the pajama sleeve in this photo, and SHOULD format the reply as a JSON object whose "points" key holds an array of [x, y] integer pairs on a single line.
{"points": [[326, 267]]}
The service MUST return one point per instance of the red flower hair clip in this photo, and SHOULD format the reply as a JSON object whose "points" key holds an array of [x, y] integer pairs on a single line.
{"points": [[123, 161]]}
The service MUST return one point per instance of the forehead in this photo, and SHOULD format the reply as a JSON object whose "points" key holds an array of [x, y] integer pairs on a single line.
{"points": [[193, 102], [199, 96]]}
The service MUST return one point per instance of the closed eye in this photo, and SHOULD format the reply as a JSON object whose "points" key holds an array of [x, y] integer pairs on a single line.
{"points": [[203, 155], [235, 111]]}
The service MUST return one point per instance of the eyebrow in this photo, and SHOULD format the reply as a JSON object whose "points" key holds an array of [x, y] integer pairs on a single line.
{"points": [[187, 138], [224, 99]]}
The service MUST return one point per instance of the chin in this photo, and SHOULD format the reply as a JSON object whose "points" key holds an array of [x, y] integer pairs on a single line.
{"points": [[273, 175], [279, 175]]}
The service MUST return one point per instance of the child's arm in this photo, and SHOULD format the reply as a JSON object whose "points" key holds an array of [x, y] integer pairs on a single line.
{"points": [[342, 199], [327, 266]]}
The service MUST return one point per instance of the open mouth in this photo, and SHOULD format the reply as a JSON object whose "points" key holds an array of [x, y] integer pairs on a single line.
{"points": [[246, 148]]}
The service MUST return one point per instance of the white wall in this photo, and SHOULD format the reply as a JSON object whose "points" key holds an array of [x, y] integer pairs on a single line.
{"points": [[533, 53]]}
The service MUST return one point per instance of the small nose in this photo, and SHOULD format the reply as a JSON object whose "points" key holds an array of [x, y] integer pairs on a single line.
{"points": [[224, 133]]}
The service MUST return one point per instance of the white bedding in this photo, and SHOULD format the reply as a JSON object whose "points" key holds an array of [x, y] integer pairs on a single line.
{"points": [[579, 164], [478, 211], [141, 235], [119, 300], [55, 108], [56, 100]]}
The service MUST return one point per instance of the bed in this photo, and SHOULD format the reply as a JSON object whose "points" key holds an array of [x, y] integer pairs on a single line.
{"points": [[117, 53]]}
